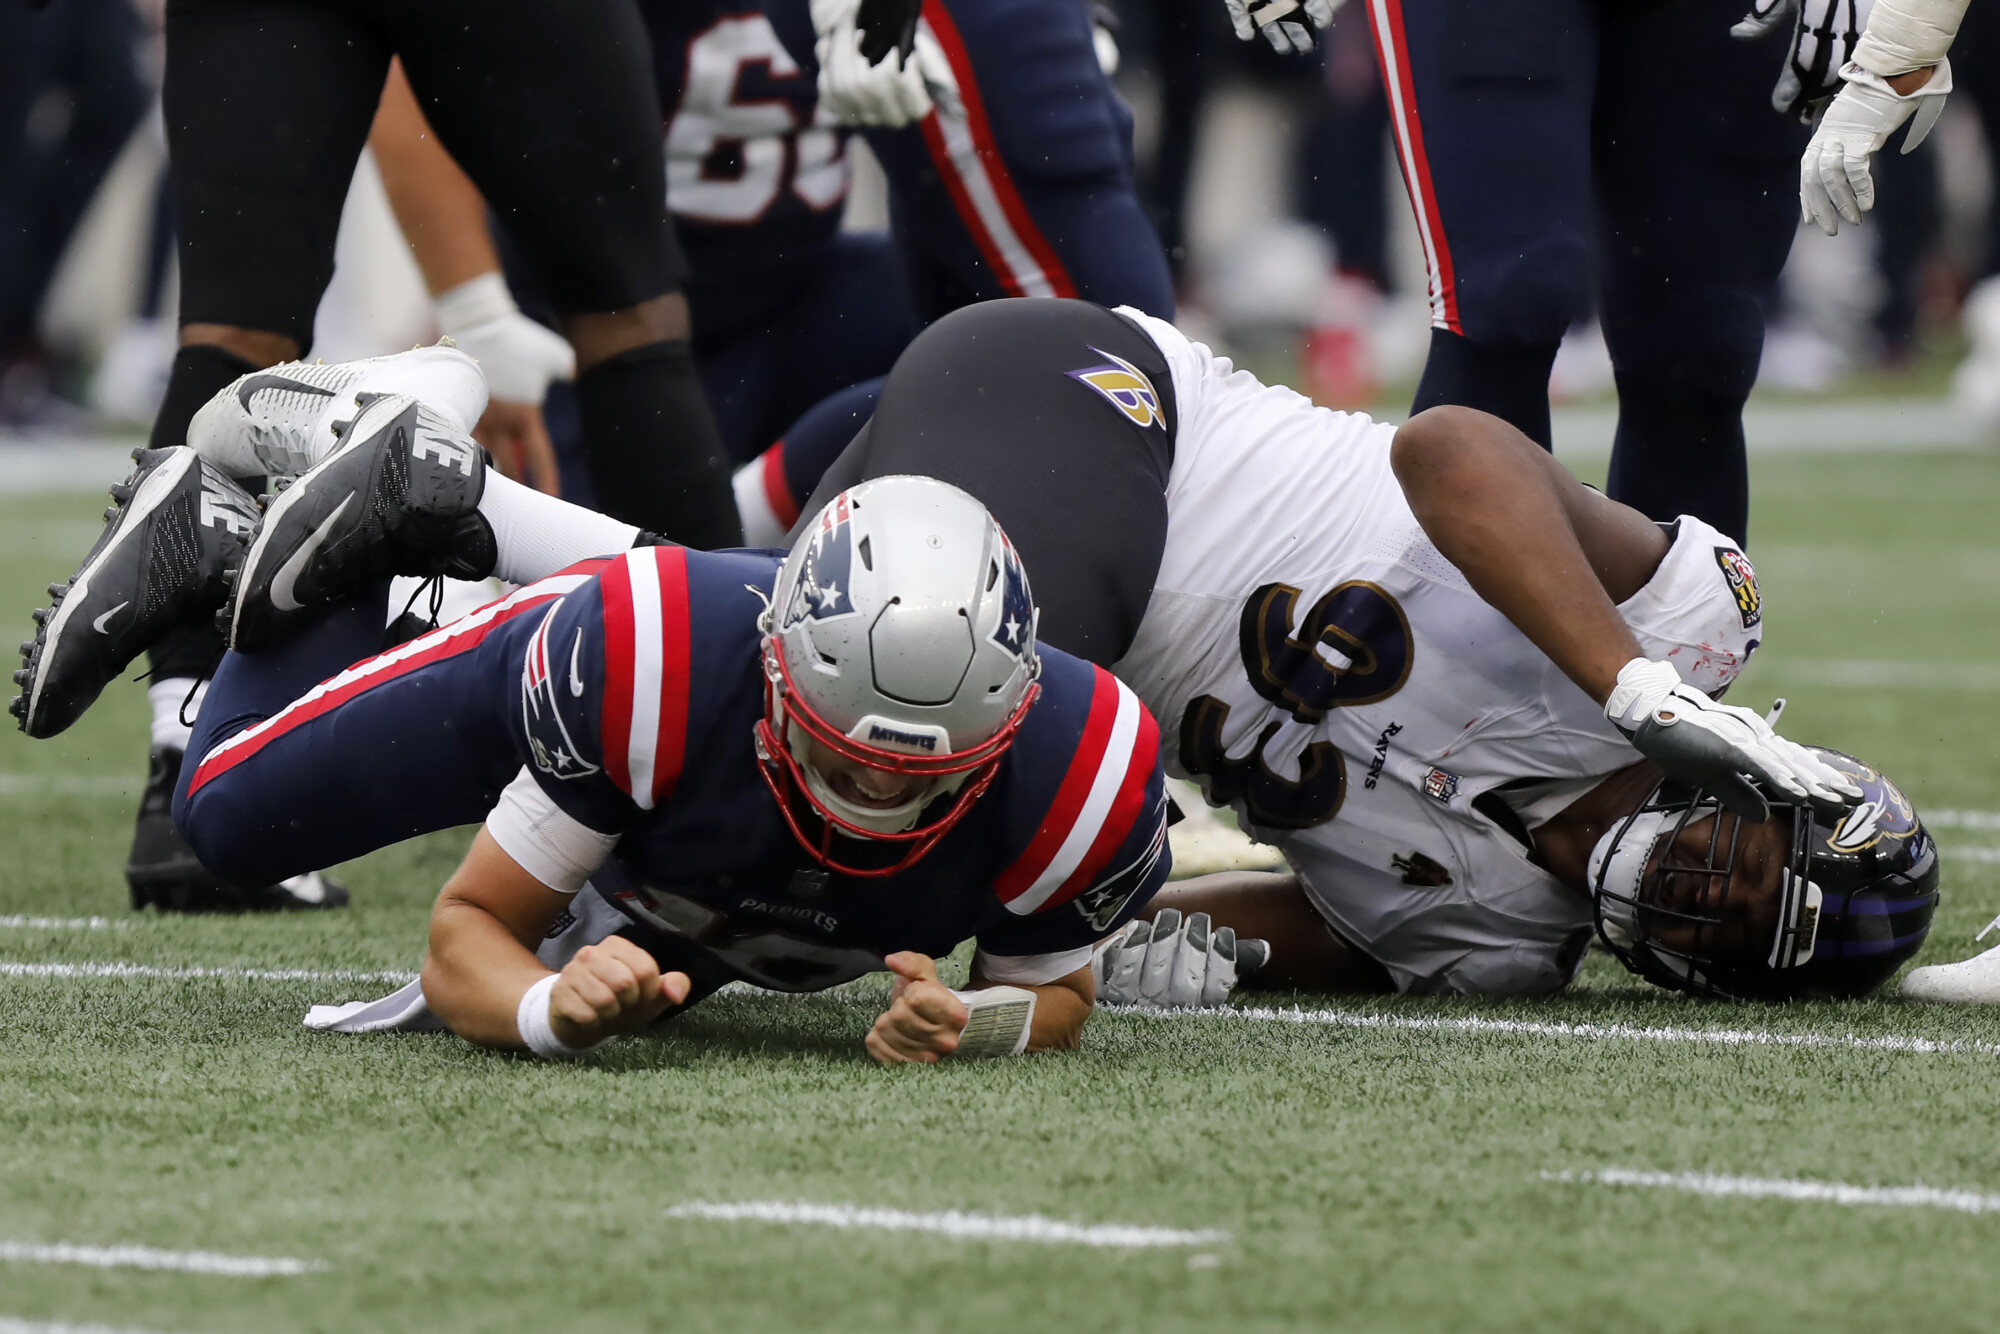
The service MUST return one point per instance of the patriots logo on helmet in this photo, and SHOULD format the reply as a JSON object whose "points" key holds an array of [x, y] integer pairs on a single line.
{"points": [[823, 587], [1016, 630], [1742, 580], [1125, 387], [541, 715]]}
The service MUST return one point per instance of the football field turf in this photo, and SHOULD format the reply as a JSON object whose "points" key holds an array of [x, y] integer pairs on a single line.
{"points": [[1613, 1159]]}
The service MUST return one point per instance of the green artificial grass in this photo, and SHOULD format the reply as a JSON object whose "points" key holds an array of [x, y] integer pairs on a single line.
{"points": [[1371, 1178]]}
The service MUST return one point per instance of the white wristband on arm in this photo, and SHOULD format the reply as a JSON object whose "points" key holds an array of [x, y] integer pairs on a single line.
{"points": [[997, 1021], [481, 300], [532, 1021]]}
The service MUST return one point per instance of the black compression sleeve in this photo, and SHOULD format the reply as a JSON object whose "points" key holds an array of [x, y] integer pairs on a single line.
{"points": [[200, 372], [656, 458]]}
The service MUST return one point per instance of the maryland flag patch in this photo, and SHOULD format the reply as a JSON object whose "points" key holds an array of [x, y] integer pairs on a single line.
{"points": [[1742, 584], [1125, 387]]}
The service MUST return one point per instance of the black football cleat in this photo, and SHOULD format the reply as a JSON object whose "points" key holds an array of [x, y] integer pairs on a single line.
{"points": [[399, 496], [162, 871], [176, 529]]}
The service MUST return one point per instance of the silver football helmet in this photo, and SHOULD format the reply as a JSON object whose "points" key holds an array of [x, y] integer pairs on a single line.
{"points": [[900, 638]]}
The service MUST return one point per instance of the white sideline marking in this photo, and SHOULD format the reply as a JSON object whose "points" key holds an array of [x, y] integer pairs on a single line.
{"points": [[1961, 819], [1882, 674], [1720, 1037], [10, 968], [146, 1257], [9, 1325], [952, 1223], [15, 922], [1973, 854], [1786, 1188]]}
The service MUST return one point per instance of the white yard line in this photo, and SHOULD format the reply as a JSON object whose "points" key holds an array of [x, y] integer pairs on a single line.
{"points": [[9, 1325], [1718, 1037], [15, 922], [10, 968], [1358, 1019], [951, 1223], [146, 1257], [1787, 1188]]}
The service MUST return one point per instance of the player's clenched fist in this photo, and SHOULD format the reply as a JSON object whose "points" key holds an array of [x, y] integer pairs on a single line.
{"points": [[610, 988], [924, 1018]]}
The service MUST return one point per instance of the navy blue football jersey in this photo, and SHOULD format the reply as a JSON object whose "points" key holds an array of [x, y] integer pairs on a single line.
{"points": [[756, 177], [639, 694]]}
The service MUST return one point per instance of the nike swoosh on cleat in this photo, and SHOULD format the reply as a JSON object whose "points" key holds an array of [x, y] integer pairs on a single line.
{"points": [[575, 677], [99, 624], [258, 383], [287, 577]]}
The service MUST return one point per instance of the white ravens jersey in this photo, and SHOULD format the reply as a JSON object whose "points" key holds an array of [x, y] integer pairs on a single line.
{"points": [[1315, 663]]}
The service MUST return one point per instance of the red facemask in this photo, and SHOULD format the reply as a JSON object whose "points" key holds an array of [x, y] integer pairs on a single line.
{"points": [[780, 767]]}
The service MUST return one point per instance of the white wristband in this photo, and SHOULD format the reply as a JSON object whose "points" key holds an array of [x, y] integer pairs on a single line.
{"points": [[532, 1020], [997, 1021], [470, 304]]}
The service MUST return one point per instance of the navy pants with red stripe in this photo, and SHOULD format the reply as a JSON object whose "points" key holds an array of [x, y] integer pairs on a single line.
{"points": [[1031, 193], [1560, 151], [407, 752]]}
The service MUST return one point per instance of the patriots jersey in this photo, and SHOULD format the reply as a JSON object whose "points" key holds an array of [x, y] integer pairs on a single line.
{"points": [[638, 695], [756, 175]]}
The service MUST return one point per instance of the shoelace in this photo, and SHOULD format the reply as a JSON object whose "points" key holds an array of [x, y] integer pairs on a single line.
{"points": [[435, 584]]}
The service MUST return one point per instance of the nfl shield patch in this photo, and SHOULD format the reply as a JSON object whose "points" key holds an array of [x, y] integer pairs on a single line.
{"points": [[1440, 786]]}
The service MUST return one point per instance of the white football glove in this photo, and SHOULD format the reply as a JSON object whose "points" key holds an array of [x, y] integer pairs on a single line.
{"points": [[1170, 964], [901, 88], [1833, 174], [1718, 747], [518, 356], [1823, 36], [1285, 33]]}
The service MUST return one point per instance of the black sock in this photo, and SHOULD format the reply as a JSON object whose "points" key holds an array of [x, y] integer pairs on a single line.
{"points": [[1680, 451], [656, 458], [200, 371], [1511, 383]]}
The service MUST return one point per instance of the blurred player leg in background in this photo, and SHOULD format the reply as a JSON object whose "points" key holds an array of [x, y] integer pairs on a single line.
{"points": [[1694, 186], [551, 112], [786, 308], [1490, 104], [1908, 222], [443, 218], [1026, 191], [71, 90], [771, 489], [847, 324], [1341, 178]]}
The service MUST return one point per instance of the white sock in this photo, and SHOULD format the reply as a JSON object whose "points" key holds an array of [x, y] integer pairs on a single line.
{"points": [[539, 534], [166, 697]]}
